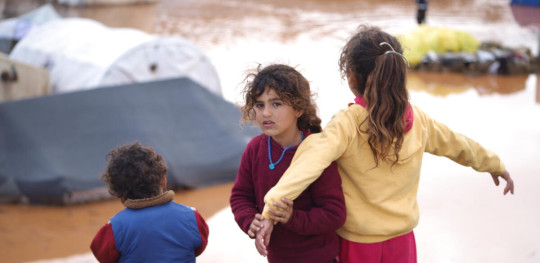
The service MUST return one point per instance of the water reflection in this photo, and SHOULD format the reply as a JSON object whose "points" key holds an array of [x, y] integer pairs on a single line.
{"points": [[216, 24], [281, 27], [137, 16], [212, 22], [443, 84]]}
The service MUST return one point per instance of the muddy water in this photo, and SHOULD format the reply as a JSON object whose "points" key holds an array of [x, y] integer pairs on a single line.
{"points": [[461, 211], [238, 35]]}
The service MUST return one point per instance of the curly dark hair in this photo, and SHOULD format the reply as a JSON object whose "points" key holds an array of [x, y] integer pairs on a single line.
{"points": [[134, 172], [290, 86], [380, 79]]}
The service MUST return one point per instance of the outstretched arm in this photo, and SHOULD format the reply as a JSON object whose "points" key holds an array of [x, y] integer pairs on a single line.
{"points": [[444, 142], [314, 154]]}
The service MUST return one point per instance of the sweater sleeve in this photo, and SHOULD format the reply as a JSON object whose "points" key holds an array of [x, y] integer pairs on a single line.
{"points": [[314, 154], [328, 213], [203, 231], [103, 246], [243, 200], [442, 141]]}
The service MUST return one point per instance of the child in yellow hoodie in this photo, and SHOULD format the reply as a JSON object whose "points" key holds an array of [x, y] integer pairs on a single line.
{"points": [[378, 144]]}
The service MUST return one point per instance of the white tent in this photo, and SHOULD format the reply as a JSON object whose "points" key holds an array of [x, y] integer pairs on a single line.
{"points": [[83, 54], [13, 29]]}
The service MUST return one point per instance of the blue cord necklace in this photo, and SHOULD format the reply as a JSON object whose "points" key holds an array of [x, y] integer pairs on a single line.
{"points": [[272, 165]]}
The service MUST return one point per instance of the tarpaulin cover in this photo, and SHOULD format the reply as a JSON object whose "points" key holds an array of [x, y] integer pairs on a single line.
{"points": [[54, 146]]}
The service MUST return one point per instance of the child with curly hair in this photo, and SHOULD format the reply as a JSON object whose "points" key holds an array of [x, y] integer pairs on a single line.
{"points": [[278, 99], [152, 228]]}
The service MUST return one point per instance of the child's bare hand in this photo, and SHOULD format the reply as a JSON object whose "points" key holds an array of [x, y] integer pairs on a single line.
{"points": [[509, 182], [263, 237], [255, 226], [284, 212]]}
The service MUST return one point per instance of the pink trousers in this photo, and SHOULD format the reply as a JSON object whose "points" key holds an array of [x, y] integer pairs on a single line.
{"points": [[401, 249]]}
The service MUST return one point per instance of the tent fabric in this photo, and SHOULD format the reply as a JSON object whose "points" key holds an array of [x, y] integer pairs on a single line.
{"points": [[13, 29], [162, 58], [81, 53], [24, 81], [17, 27], [56, 145], [76, 51]]}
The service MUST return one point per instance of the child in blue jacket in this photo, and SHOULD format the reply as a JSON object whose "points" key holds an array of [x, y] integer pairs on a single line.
{"points": [[152, 228]]}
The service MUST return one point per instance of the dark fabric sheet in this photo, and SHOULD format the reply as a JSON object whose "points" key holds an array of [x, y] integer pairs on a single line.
{"points": [[53, 146]]}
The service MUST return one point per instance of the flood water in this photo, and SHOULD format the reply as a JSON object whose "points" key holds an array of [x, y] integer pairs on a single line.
{"points": [[464, 217], [238, 35]]}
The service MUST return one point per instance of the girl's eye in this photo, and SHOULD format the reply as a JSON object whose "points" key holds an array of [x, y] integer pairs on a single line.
{"points": [[275, 104], [259, 105]]}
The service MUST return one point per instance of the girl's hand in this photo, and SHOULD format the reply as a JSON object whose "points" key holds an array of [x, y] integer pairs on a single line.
{"points": [[263, 237], [255, 226], [284, 212], [509, 182]]}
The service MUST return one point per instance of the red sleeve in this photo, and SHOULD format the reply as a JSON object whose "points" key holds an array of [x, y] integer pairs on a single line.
{"points": [[203, 231], [103, 245], [328, 213], [243, 200]]}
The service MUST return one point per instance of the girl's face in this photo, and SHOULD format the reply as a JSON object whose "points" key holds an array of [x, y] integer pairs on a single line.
{"points": [[275, 118]]}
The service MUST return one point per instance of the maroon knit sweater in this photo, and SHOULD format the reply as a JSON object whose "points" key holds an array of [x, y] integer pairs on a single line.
{"points": [[310, 235]]}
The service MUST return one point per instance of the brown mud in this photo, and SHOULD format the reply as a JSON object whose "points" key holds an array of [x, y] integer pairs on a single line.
{"points": [[31, 232]]}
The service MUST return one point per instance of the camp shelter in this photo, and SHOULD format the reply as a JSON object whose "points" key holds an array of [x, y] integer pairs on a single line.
{"points": [[54, 147], [82, 54], [20, 81], [14, 29]]}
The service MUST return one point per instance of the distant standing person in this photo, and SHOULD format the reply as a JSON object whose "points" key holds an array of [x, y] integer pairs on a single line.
{"points": [[152, 228], [278, 99], [421, 11], [378, 144]]}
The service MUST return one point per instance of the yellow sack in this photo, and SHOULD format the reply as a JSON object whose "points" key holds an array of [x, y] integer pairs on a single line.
{"points": [[423, 39]]}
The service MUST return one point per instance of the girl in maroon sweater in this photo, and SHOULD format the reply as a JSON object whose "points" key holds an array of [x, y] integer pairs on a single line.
{"points": [[278, 99]]}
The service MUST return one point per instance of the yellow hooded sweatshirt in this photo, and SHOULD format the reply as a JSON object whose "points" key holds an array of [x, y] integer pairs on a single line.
{"points": [[381, 202]]}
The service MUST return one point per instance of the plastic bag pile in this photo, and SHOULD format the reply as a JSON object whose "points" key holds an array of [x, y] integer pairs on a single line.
{"points": [[424, 39], [446, 50]]}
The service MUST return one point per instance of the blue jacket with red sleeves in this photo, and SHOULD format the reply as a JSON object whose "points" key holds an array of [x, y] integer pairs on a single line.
{"points": [[157, 230]]}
